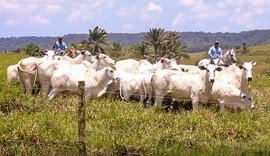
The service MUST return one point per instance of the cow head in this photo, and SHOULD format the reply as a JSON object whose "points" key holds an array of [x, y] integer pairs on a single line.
{"points": [[105, 60], [210, 71], [164, 63], [246, 101], [232, 56], [247, 67], [48, 54], [87, 56], [111, 74]]}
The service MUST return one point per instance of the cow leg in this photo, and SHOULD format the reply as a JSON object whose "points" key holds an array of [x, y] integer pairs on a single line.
{"points": [[53, 93], [28, 86], [195, 100], [45, 88], [142, 95], [158, 100], [22, 87], [221, 105]]}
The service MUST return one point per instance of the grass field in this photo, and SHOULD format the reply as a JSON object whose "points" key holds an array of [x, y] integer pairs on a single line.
{"points": [[30, 125]]}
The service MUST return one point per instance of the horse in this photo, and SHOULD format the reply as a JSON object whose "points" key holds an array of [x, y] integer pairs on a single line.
{"points": [[227, 59]]}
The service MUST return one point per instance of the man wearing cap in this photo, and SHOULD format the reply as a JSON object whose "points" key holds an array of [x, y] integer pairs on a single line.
{"points": [[60, 46], [215, 52]]}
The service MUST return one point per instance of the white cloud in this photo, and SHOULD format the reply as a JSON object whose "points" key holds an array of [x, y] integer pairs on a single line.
{"points": [[38, 20], [127, 28], [178, 20], [8, 6], [11, 22], [154, 7], [186, 2], [125, 12], [151, 13], [259, 11], [242, 18], [78, 17], [52, 9]]}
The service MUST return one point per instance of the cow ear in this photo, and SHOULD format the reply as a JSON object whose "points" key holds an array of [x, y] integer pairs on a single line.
{"points": [[218, 69], [202, 67], [97, 57], [253, 63], [240, 66], [162, 60]]}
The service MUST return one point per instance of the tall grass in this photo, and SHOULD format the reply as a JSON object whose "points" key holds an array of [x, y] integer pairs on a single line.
{"points": [[31, 125]]}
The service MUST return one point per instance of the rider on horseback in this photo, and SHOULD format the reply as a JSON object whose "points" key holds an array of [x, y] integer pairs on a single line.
{"points": [[60, 46], [215, 53]]}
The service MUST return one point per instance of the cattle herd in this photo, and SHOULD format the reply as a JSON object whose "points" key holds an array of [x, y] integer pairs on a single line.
{"points": [[226, 85]]}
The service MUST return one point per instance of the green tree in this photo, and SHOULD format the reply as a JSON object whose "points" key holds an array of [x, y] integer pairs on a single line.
{"points": [[172, 47], [32, 49], [140, 51], [178, 49], [116, 49], [98, 38], [155, 37]]}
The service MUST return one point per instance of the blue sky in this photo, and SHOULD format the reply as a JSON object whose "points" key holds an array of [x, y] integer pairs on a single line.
{"points": [[60, 17]]}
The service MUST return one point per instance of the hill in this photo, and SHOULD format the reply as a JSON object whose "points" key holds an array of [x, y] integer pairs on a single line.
{"points": [[196, 41]]}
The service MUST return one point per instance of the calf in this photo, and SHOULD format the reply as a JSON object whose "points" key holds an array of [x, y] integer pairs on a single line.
{"points": [[96, 82], [229, 96]]}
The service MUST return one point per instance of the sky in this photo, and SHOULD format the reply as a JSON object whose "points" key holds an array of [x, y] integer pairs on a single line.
{"points": [[60, 17]]}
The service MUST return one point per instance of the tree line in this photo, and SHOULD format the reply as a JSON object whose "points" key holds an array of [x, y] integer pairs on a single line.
{"points": [[157, 43]]}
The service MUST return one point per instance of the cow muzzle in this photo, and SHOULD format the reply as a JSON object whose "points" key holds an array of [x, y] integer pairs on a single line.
{"points": [[249, 78]]}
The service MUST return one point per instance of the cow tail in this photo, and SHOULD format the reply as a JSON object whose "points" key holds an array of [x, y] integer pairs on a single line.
{"points": [[36, 74], [120, 89], [20, 77]]}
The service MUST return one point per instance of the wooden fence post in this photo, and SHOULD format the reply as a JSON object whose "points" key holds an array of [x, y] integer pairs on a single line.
{"points": [[81, 119]]}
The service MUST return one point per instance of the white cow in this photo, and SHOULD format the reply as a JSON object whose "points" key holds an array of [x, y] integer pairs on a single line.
{"points": [[46, 69], [229, 96], [27, 70], [238, 75], [183, 85], [12, 74], [142, 66], [96, 82], [131, 84]]}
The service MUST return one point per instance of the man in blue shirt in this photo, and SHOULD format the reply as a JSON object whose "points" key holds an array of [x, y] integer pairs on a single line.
{"points": [[215, 52], [60, 46]]}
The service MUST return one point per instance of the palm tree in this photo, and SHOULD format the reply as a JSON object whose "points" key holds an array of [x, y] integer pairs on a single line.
{"points": [[140, 51], [155, 37], [98, 38], [116, 49], [178, 49]]}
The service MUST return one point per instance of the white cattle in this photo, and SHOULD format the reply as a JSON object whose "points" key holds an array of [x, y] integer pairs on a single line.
{"points": [[96, 82], [183, 85], [186, 68], [127, 66], [12, 74], [227, 59], [131, 84], [142, 66], [46, 69], [238, 75], [27, 70], [229, 96]]}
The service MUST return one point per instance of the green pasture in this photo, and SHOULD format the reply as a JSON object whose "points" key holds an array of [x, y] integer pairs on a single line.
{"points": [[31, 125]]}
